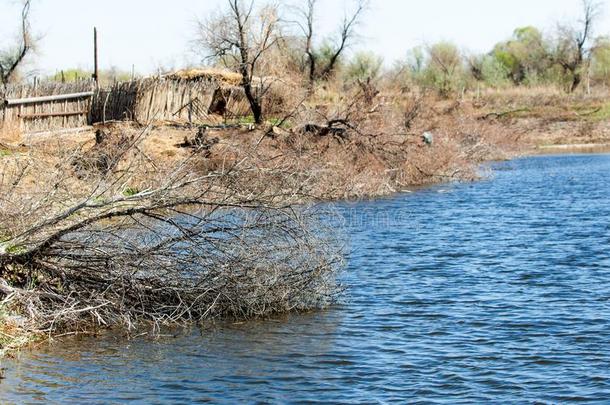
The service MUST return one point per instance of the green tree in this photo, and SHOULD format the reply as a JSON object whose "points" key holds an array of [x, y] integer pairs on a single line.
{"points": [[524, 57], [600, 61], [444, 69], [363, 66], [493, 72]]}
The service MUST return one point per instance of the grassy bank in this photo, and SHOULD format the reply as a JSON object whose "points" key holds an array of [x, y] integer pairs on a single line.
{"points": [[544, 117]]}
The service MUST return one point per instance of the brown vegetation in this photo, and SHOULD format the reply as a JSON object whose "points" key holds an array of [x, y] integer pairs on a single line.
{"points": [[127, 224], [197, 208]]}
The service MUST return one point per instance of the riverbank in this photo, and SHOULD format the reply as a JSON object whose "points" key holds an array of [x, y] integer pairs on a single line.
{"points": [[379, 151]]}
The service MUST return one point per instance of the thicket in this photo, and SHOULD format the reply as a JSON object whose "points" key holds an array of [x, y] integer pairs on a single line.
{"points": [[568, 58]]}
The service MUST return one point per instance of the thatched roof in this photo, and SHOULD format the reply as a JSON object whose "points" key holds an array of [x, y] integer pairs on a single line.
{"points": [[225, 76]]}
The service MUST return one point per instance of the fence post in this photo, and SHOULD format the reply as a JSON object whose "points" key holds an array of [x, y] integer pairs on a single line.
{"points": [[95, 66]]}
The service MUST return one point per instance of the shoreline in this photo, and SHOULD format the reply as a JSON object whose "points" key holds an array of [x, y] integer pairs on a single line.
{"points": [[13, 344], [572, 148]]}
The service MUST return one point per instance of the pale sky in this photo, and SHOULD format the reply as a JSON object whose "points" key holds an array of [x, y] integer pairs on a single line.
{"points": [[154, 33]]}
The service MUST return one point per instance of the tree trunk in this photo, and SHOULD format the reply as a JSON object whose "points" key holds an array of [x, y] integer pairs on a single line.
{"points": [[255, 105], [576, 79], [312, 69]]}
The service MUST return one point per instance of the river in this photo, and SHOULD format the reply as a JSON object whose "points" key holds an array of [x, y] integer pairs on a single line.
{"points": [[492, 291]]}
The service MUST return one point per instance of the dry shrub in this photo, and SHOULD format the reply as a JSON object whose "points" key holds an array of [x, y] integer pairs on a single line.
{"points": [[282, 96], [359, 144], [385, 140], [108, 151]]}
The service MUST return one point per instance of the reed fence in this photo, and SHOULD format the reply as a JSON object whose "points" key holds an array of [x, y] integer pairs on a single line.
{"points": [[168, 99], [52, 106]]}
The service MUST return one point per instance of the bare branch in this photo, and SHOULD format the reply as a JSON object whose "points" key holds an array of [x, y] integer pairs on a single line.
{"points": [[189, 246], [12, 60], [573, 49], [244, 38], [346, 34]]}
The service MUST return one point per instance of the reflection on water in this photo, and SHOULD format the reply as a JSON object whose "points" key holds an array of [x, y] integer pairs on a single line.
{"points": [[496, 290]]}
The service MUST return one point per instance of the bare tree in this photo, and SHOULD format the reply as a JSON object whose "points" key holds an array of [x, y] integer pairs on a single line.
{"points": [[307, 14], [306, 17], [573, 45], [240, 38], [11, 59]]}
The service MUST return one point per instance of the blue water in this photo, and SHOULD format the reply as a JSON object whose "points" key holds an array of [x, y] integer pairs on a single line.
{"points": [[494, 291]]}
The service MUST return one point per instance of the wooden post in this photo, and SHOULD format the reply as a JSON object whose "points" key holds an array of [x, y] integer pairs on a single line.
{"points": [[95, 65], [589, 78], [35, 92]]}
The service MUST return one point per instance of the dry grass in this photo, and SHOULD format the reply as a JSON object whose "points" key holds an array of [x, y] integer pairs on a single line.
{"points": [[10, 134], [223, 76], [547, 116], [538, 98]]}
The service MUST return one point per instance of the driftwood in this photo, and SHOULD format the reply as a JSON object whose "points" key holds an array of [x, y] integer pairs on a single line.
{"points": [[496, 115]]}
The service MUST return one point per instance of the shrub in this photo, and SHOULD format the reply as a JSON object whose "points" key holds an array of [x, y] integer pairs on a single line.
{"points": [[363, 66]]}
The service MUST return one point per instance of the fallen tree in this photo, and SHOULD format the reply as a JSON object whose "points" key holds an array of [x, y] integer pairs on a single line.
{"points": [[138, 242]]}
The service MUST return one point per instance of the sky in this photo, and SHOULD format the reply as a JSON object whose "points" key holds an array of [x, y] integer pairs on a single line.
{"points": [[157, 34]]}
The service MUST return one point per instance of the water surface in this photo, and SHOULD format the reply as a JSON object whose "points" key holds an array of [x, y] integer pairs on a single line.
{"points": [[496, 291]]}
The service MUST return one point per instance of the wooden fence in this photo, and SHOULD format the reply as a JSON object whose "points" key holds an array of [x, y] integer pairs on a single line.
{"points": [[168, 99], [52, 106], [46, 106]]}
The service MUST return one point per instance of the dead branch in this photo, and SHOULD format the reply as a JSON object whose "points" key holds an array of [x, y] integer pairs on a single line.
{"points": [[496, 114]]}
